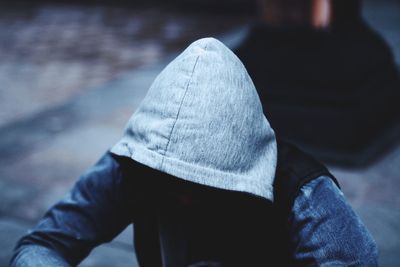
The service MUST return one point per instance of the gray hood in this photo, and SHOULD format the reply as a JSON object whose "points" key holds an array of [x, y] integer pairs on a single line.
{"points": [[202, 121]]}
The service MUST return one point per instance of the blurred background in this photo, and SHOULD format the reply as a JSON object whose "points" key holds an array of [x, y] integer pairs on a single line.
{"points": [[72, 72]]}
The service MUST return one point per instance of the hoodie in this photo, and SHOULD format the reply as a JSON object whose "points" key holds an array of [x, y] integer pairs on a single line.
{"points": [[202, 121]]}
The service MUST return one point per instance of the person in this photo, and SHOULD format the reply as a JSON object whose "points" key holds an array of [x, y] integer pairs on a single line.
{"points": [[320, 68], [205, 182]]}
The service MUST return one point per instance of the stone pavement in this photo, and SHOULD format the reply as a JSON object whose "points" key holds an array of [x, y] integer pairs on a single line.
{"points": [[71, 76], [47, 48]]}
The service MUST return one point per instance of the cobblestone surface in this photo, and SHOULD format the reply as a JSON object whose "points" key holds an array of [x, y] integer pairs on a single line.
{"points": [[50, 53]]}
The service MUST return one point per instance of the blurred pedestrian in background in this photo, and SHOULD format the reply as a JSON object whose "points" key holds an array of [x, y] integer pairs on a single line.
{"points": [[327, 81]]}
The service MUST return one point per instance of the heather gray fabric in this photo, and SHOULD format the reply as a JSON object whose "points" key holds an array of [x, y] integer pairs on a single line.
{"points": [[202, 121]]}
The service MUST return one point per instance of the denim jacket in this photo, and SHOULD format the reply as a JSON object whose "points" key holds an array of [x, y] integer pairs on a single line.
{"points": [[202, 124], [323, 229]]}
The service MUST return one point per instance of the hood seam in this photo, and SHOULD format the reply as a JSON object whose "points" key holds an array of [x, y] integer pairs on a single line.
{"points": [[180, 107]]}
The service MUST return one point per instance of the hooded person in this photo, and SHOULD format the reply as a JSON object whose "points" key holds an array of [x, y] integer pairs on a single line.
{"points": [[205, 182]]}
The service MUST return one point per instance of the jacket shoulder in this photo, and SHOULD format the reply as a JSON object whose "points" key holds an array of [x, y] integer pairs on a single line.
{"points": [[294, 169]]}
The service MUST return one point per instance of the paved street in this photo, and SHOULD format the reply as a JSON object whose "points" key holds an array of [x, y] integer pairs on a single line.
{"points": [[70, 77]]}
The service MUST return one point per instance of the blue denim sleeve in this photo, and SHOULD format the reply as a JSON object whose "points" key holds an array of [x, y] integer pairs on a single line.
{"points": [[93, 212], [326, 231]]}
